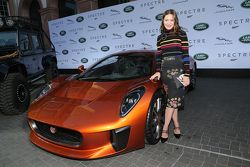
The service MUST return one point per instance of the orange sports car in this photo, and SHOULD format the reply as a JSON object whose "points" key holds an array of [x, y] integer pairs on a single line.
{"points": [[110, 108]]}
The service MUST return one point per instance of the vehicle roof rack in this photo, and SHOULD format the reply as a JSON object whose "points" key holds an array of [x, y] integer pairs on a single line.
{"points": [[18, 22]]}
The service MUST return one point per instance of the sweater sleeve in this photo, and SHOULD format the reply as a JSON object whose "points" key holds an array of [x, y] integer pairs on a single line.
{"points": [[185, 53], [158, 55]]}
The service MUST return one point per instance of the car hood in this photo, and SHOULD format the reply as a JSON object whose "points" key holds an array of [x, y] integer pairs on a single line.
{"points": [[80, 104]]}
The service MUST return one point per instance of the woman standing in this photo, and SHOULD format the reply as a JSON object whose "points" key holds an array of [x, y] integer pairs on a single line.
{"points": [[172, 60]]}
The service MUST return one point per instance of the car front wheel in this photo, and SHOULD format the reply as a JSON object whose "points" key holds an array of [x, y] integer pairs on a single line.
{"points": [[155, 118], [14, 94]]}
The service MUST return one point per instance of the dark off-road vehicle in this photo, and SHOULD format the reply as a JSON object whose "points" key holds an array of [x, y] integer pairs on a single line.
{"points": [[26, 54]]}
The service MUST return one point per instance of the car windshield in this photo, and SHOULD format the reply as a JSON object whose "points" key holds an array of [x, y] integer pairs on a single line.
{"points": [[120, 67], [7, 39]]}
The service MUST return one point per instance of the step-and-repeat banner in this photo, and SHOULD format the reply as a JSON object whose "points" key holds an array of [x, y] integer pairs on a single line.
{"points": [[218, 32]]}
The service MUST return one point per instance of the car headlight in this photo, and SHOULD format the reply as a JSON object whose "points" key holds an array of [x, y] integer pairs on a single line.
{"points": [[43, 91], [130, 100]]}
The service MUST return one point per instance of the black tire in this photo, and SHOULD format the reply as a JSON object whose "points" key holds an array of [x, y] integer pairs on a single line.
{"points": [[14, 94], [192, 79], [51, 71], [155, 118]]}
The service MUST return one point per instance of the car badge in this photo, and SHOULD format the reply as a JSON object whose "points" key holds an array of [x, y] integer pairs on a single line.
{"points": [[52, 130]]}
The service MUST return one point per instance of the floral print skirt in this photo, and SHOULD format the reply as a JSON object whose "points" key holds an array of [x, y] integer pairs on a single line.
{"points": [[171, 67]]}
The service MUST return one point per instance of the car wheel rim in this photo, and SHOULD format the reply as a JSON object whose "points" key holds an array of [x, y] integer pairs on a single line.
{"points": [[21, 93], [156, 118]]}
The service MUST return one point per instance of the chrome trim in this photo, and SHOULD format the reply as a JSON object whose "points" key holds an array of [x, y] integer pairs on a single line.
{"points": [[34, 128]]}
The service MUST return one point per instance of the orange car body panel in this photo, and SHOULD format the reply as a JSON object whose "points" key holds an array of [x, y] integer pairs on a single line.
{"points": [[71, 100]]}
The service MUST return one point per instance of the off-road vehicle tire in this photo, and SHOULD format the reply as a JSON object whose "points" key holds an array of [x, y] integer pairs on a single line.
{"points": [[14, 94], [155, 118]]}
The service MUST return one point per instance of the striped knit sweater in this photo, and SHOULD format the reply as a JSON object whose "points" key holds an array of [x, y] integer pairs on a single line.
{"points": [[169, 44]]}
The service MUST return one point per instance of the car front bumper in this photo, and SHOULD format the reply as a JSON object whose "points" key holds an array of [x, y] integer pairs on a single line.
{"points": [[94, 145]]}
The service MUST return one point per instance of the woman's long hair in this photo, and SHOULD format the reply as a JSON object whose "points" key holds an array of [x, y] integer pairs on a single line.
{"points": [[176, 28]]}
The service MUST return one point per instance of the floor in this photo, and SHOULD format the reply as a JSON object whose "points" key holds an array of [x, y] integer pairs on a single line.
{"points": [[215, 126]]}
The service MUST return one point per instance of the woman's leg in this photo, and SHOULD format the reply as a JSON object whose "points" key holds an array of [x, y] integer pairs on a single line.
{"points": [[176, 122], [168, 117]]}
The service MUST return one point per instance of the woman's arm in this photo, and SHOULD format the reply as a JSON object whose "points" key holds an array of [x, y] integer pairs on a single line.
{"points": [[158, 58], [185, 58], [185, 53], [158, 55]]}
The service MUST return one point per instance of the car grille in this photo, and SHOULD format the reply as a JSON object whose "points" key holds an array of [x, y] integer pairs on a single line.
{"points": [[58, 135]]}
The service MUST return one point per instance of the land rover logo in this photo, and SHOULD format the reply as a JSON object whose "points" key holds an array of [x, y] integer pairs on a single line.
{"points": [[105, 48], [245, 39], [128, 9], [65, 52], [103, 25], [52, 130], [84, 60], [159, 17], [82, 40], [130, 34], [245, 4], [200, 56], [62, 33], [201, 26], [79, 19]]}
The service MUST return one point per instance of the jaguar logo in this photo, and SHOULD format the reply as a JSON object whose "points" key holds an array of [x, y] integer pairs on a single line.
{"points": [[245, 4], [105, 48], [82, 40], [65, 51], [159, 17], [128, 9], [245, 39], [52, 130], [79, 19], [84, 60], [130, 34], [103, 25], [201, 26], [62, 33], [200, 56]]}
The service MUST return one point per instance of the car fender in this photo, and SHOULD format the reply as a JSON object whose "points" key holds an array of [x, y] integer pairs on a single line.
{"points": [[12, 66], [3, 71]]}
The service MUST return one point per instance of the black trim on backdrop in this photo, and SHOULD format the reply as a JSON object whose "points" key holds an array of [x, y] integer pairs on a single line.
{"points": [[235, 73], [69, 71]]}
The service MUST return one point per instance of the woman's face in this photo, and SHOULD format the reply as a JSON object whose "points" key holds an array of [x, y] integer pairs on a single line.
{"points": [[168, 21]]}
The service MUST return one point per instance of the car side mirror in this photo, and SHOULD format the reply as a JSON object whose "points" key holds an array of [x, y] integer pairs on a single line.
{"points": [[81, 68]]}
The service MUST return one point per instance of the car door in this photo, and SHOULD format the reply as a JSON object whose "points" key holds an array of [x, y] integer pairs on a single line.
{"points": [[37, 50], [27, 57]]}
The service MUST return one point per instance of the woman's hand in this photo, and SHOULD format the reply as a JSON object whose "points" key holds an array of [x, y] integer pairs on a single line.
{"points": [[186, 81], [156, 76]]}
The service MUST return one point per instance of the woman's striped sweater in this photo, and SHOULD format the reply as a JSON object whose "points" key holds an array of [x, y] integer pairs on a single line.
{"points": [[171, 44]]}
